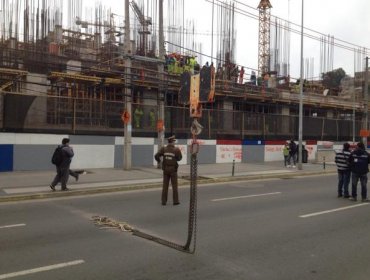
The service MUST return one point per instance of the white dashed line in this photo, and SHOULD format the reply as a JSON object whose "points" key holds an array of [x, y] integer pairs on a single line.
{"points": [[244, 196], [40, 269], [11, 226], [333, 210]]}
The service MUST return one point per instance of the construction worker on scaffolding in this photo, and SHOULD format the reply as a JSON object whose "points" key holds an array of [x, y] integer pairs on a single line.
{"points": [[138, 114], [192, 63], [241, 75], [152, 118]]}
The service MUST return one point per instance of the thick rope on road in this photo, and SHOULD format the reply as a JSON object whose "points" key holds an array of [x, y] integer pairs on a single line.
{"points": [[105, 223]]}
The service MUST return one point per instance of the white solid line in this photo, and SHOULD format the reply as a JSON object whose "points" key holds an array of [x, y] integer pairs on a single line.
{"points": [[245, 196], [332, 210], [10, 226], [40, 269]]}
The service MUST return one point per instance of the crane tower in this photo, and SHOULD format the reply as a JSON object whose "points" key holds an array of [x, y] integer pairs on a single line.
{"points": [[264, 37]]}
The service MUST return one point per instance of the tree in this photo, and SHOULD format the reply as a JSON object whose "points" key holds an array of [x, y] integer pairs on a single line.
{"points": [[332, 79]]}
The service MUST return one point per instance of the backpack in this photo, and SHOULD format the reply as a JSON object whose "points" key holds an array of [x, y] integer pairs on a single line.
{"points": [[57, 157]]}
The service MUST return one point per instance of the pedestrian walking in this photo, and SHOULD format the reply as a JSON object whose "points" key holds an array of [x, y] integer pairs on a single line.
{"points": [[292, 153], [344, 172], [359, 161], [62, 159], [170, 156], [286, 154]]}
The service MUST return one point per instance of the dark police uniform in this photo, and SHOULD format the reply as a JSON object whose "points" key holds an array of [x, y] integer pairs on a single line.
{"points": [[170, 156], [359, 162]]}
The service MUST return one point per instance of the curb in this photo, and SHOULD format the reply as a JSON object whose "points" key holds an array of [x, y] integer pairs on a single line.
{"points": [[182, 182]]}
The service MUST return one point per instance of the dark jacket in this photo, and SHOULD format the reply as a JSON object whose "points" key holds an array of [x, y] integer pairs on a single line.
{"points": [[292, 148], [67, 156], [359, 161], [171, 155]]}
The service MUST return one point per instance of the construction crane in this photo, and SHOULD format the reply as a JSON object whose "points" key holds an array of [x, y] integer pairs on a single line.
{"points": [[144, 32], [264, 37]]}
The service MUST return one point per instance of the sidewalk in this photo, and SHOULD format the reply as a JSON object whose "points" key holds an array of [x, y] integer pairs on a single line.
{"points": [[35, 184]]}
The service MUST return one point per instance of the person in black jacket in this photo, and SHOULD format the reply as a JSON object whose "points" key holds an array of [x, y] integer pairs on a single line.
{"points": [[292, 153], [344, 171], [63, 168], [359, 161], [170, 156]]}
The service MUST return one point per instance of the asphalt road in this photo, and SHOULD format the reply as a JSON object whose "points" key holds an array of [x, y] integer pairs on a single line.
{"points": [[274, 229]]}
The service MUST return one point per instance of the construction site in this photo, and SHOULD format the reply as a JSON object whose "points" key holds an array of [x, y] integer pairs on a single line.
{"points": [[65, 68]]}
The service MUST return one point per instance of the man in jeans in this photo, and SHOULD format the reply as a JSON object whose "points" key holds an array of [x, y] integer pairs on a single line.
{"points": [[359, 161], [344, 172]]}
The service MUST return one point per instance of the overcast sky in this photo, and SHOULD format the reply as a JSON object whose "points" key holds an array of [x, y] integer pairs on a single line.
{"points": [[348, 21]]}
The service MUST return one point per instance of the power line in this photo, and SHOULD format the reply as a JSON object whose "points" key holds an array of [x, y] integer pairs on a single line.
{"points": [[341, 43]]}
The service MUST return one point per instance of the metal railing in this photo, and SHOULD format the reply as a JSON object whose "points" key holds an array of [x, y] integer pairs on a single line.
{"points": [[52, 114]]}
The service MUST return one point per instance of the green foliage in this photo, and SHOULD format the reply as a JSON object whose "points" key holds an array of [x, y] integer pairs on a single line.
{"points": [[332, 79]]}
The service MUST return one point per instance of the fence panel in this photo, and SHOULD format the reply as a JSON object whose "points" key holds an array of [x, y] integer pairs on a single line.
{"points": [[53, 114]]}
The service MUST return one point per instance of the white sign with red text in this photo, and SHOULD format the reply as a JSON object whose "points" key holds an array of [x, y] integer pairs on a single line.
{"points": [[228, 153]]}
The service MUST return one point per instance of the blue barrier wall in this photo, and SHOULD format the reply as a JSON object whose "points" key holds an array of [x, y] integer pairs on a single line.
{"points": [[6, 157]]}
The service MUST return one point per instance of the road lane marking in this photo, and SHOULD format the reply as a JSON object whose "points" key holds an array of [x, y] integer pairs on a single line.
{"points": [[245, 196], [11, 226], [40, 269], [333, 210]]}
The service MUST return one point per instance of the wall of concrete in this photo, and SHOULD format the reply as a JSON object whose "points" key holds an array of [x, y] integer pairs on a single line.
{"points": [[28, 151]]}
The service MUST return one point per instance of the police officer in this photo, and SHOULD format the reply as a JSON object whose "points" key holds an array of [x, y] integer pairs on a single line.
{"points": [[170, 156], [359, 161]]}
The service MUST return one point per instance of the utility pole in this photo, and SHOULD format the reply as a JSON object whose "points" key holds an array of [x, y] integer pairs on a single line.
{"points": [[160, 96], [353, 100], [366, 97], [300, 129], [128, 126], [213, 11]]}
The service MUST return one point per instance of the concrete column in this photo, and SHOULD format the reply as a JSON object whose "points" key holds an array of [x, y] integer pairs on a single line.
{"points": [[36, 112], [228, 120], [285, 124]]}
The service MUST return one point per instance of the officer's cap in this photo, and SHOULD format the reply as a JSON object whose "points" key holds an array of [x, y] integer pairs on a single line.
{"points": [[171, 139]]}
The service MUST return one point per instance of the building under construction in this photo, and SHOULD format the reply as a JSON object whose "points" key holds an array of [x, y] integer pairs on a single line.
{"points": [[71, 75]]}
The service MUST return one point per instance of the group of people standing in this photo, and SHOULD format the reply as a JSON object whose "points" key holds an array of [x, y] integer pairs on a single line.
{"points": [[352, 166], [178, 64], [142, 118]]}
